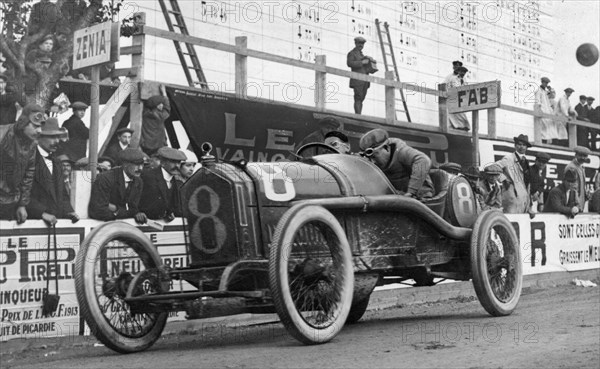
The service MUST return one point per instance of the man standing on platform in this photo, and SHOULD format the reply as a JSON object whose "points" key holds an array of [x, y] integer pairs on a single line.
{"points": [[515, 180], [542, 105], [124, 140], [79, 134], [358, 63]]}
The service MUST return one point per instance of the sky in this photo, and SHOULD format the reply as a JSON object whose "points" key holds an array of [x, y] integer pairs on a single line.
{"points": [[578, 22]]}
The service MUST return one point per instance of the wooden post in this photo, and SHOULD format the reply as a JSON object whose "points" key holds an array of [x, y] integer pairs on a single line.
{"points": [[95, 114], [320, 83], [572, 135], [390, 99], [137, 63], [475, 132], [537, 127], [491, 116], [241, 67], [443, 109]]}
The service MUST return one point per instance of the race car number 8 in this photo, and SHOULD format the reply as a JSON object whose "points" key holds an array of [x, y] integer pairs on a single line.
{"points": [[465, 200], [208, 232]]}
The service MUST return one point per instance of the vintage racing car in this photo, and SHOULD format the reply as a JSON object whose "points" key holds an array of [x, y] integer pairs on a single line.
{"points": [[309, 239]]}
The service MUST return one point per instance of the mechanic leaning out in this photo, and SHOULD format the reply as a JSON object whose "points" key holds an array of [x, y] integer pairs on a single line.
{"points": [[407, 168]]}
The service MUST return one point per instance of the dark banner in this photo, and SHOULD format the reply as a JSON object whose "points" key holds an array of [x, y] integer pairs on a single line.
{"points": [[261, 131]]}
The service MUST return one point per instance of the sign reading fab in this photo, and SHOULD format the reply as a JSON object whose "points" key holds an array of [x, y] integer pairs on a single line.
{"points": [[485, 95], [95, 45]]}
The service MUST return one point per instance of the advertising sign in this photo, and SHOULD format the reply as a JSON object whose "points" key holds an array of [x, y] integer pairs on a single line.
{"points": [[95, 45], [485, 95]]}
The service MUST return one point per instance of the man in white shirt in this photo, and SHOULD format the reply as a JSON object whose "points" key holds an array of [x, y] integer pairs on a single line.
{"points": [[542, 105], [564, 109], [124, 140]]}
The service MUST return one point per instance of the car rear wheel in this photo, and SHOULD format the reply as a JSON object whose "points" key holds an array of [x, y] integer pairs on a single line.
{"points": [[113, 259], [311, 274], [496, 263]]}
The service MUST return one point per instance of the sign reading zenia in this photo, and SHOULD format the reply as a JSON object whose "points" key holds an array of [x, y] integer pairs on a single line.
{"points": [[485, 95], [95, 45]]}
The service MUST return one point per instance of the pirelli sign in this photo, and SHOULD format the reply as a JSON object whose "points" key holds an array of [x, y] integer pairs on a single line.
{"points": [[96, 45], [485, 95]]}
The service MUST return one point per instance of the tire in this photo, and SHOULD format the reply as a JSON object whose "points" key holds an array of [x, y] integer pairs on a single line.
{"points": [[496, 263], [96, 290], [357, 310], [311, 282]]}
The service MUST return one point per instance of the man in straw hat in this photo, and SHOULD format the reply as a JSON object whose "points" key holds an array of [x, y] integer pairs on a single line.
{"points": [[576, 166], [563, 198], [17, 160], [515, 177], [49, 198], [116, 193]]}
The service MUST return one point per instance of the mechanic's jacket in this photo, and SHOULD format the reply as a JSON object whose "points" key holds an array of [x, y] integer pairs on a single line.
{"points": [[408, 169], [17, 164]]}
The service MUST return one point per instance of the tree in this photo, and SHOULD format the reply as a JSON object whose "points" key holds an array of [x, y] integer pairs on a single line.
{"points": [[35, 76]]}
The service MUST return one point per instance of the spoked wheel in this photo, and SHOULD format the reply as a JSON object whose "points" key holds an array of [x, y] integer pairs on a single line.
{"points": [[496, 263], [116, 258], [311, 274]]}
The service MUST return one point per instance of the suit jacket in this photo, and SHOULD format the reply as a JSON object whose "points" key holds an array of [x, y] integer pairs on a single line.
{"points": [[582, 111], [557, 201], [113, 152], [408, 169], [354, 61], [109, 187], [78, 137], [515, 198], [578, 169], [48, 193], [594, 205], [157, 200]]}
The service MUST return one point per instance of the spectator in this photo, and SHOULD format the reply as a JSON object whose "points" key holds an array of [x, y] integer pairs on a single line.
{"points": [[595, 181], [490, 188], [79, 134], [157, 110], [105, 163], [563, 109], [17, 160], [153, 161], [594, 117], [581, 108], [49, 199], [594, 205], [552, 100], [326, 125], [576, 166], [124, 140], [515, 181], [338, 140], [452, 168], [44, 50], [116, 193], [160, 198], [188, 167], [458, 120], [67, 170], [563, 198], [538, 181], [406, 168], [542, 105], [9, 103], [358, 63]]}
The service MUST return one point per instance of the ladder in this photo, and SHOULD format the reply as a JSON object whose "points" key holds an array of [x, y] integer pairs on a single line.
{"points": [[184, 57], [390, 52]]}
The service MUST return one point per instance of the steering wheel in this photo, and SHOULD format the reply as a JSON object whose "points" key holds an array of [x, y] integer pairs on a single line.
{"points": [[316, 145]]}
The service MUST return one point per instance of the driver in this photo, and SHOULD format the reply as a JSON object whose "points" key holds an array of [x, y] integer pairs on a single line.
{"points": [[339, 141], [405, 167]]}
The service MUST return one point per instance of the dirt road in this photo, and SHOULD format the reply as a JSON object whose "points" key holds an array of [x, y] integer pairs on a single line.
{"points": [[551, 328]]}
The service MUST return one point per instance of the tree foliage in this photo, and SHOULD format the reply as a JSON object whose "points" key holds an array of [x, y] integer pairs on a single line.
{"points": [[25, 24]]}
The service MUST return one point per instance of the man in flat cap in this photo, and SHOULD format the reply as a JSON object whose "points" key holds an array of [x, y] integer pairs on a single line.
{"points": [[123, 142], [581, 108], [542, 105], [116, 193], [563, 198], [160, 198], [516, 177], [564, 109], [457, 79], [538, 181], [17, 162], [406, 168], [452, 168], [358, 63], [79, 134], [49, 198], [490, 188], [593, 115], [576, 166], [156, 110]]}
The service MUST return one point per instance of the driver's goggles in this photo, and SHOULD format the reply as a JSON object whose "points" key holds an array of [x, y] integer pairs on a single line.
{"points": [[37, 118], [367, 153], [337, 144]]}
